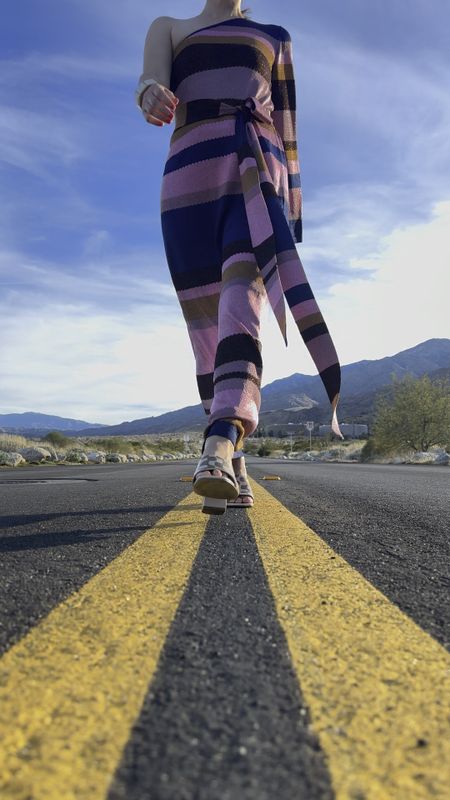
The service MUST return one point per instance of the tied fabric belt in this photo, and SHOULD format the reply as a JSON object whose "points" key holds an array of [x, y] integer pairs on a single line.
{"points": [[288, 280], [251, 164]]}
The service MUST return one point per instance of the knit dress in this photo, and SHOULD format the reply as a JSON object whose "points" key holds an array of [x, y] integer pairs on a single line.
{"points": [[231, 212]]}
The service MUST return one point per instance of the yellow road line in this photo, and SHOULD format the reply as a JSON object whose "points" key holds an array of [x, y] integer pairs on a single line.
{"points": [[73, 686], [376, 684]]}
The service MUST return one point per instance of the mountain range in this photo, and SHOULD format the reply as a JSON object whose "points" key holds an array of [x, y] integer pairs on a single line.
{"points": [[286, 400]]}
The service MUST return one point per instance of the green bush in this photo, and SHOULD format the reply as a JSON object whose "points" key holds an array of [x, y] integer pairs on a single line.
{"points": [[58, 439], [169, 446], [370, 450], [413, 413], [250, 448], [302, 445], [112, 444]]}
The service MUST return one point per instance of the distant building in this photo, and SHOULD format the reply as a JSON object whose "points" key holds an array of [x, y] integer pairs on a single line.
{"points": [[353, 429]]}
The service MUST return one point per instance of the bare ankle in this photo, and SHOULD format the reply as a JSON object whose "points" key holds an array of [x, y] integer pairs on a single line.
{"points": [[220, 445], [239, 466]]}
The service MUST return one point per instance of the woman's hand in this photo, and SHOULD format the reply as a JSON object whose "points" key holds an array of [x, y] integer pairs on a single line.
{"points": [[158, 104]]}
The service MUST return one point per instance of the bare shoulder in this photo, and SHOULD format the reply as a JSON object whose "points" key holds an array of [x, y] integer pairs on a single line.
{"points": [[183, 27], [176, 28], [161, 24], [159, 30], [160, 21]]}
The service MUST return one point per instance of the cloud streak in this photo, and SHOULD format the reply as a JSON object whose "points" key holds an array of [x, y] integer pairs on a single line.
{"points": [[110, 283], [34, 141]]}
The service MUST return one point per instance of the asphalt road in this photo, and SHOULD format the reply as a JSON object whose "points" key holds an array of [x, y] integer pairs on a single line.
{"points": [[222, 693]]}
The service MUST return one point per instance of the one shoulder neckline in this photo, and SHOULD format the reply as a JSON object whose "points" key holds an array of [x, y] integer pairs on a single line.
{"points": [[213, 25]]}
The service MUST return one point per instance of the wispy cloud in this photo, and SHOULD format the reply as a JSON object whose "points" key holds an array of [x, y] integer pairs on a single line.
{"points": [[397, 298], [373, 132], [34, 141], [99, 367], [122, 283], [395, 112], [405, 299], [94, 343], [63, 65], [117, 347]]}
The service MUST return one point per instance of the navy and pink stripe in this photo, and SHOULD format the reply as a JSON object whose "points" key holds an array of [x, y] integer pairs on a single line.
{"points": [[231, 212]]}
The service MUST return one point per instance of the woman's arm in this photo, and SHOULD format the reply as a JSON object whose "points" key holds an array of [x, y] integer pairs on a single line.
{"points": [[158, 51], [284, 119], [157, 101]]}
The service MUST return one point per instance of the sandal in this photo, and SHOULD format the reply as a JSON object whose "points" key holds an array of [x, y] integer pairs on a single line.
{"points": [[216, 489], [244, 491]]}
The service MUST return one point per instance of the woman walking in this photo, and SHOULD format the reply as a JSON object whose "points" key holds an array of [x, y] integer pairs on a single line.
{"points": [[231, 213]]}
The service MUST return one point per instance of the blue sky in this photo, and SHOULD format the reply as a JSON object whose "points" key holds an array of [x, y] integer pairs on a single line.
{"points": [[91, 326]]}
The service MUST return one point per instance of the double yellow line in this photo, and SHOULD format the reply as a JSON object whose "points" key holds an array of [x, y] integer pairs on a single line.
{"points": [[71, 689], [376, 684]]}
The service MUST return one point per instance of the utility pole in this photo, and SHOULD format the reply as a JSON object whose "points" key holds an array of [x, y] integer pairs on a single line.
{"points": [[309, 427]]}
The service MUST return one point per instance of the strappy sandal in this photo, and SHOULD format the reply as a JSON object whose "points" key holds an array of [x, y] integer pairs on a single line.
{"points": [[216, 489], [244, 491]]}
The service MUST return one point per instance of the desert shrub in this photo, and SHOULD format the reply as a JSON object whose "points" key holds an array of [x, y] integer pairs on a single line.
{"points": [[112, 444], [412, 413], [58, 439], [370, 450]]}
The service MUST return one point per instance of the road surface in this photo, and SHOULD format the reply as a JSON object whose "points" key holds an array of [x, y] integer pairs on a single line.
{"points": [[297, 649]]}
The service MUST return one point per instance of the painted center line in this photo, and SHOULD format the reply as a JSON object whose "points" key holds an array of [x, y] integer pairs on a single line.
{"points": [[71, 689], [377, 685]]}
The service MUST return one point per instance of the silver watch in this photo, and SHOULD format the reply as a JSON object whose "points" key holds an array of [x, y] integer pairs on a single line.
{"points": [[140, 89]]}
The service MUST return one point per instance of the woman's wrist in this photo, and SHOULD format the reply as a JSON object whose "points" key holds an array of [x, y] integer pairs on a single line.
{"points": [[141, 88]]}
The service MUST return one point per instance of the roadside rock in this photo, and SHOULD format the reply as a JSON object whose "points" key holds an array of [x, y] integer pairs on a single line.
{"points": [[146, 455], [117, 458], [53, 453], [328, 455], [312, 455], [96, 456], [441, 456], [77, 457], [436, 456], [11, 459], [35, 454]]}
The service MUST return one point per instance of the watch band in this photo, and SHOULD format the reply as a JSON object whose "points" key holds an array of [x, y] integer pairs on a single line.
{"points": [[140, 89]]}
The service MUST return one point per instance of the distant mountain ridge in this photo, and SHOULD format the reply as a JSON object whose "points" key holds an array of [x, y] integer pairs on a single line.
{"points": [[33, 420], [292, 399]]}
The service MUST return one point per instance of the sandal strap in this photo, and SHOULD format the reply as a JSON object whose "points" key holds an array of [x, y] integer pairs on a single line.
{"points": [[244, 486], [209, 462]]}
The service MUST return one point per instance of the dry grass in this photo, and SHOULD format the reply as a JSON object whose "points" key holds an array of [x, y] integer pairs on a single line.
{"points": [[10, 442]]}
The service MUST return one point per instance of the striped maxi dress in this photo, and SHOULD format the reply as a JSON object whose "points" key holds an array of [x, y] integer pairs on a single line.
{"points": [[231, 212]]}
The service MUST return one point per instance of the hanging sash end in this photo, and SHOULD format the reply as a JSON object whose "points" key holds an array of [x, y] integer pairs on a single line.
{"points": [[282, 322], [334, 422]]}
